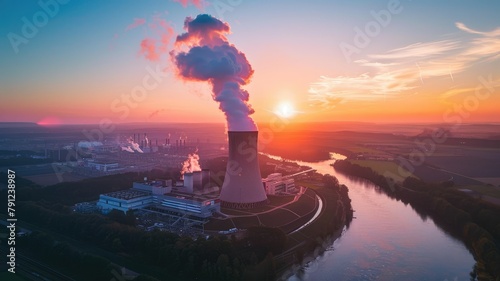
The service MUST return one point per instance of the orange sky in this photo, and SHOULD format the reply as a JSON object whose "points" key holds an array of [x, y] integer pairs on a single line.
{"points": [[434, 75]]}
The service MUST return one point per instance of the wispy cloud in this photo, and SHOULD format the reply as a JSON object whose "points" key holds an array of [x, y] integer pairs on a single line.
{"points": [[200, 4], [420, 50], [463, 27], [137, 22], [456, 91], [400, 70]]}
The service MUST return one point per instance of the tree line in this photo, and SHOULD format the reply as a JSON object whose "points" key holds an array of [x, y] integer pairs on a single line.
{"points": [[476, 222]]}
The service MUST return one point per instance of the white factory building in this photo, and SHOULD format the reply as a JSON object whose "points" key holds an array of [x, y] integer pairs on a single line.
{"points": [[276, 184], [162, 194]]}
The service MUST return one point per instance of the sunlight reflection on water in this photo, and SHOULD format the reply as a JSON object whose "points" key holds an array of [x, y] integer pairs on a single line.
{"points": [[387, 241]]}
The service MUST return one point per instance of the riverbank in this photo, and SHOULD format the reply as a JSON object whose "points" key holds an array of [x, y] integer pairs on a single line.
{"points": [[312, 240], [476, 224]]}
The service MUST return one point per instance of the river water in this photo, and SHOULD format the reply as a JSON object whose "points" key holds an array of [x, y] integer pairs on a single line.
{"points": [[387, 240]]}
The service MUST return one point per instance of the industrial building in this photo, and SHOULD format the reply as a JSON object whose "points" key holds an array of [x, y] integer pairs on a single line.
{"points": [[276, 184], [124, 200], [163, 194], [104, 166], [242, 187]]}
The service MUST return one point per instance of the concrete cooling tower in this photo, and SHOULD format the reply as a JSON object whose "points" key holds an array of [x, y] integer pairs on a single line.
{"points": [[242, 187]]}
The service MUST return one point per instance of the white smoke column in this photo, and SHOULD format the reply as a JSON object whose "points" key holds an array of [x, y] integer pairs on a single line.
{"points": [[135, 146], [211, 58], [127, 148], [192, 164]]}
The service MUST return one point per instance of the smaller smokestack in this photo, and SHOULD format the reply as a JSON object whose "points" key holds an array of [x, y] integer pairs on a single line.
{"points": [[134, 137], [184, 142], [188, 182], [197, 181], [205, 179]]}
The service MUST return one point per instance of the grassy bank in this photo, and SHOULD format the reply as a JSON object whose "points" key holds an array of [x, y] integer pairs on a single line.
{"points": [[305, 244]]}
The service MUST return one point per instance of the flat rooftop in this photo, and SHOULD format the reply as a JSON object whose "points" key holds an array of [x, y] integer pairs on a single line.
{"points": [[127, 194], [193, 197]]}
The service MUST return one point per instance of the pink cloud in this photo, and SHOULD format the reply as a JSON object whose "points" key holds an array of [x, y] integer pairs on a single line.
{"points": [[153, 47], [148, 49], [137, 22], [200, 4]]}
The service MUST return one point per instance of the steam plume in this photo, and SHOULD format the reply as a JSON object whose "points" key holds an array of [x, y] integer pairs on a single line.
{"points": [[191, 164], [156, 112], [211, 58], [135, 146], [127, 148]]}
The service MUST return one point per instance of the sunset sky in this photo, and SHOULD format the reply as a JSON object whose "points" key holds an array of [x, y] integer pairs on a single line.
{"points": [[376, 61]]}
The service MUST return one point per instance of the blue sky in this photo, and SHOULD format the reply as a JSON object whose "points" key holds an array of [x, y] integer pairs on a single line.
{"points": [[76, 55]]}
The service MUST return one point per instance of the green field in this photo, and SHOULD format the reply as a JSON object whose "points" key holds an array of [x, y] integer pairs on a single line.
{"points": [[7, 276], [487, 190], [381, 167], [361, 149]]}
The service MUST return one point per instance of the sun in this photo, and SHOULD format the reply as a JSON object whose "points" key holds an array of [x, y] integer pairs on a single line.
{"points": [[285, 110], [49, 121]]}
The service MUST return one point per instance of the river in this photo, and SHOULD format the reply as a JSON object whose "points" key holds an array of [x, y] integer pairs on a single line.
{"points": [[387, 240]]}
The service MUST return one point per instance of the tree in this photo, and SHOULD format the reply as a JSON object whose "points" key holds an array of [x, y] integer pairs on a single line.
{"points": [[330, 181]]}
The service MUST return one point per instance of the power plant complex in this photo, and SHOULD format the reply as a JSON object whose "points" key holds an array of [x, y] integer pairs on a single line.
{"points": [[194, 198]]}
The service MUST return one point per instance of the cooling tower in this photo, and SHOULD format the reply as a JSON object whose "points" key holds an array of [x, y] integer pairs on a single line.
{"points": [[242, 187]]}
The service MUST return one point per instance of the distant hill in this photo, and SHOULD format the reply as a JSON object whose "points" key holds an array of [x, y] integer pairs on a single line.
{"points": [[18, 125]]}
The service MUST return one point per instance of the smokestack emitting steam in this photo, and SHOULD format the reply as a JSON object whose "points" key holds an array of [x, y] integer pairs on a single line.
{"points": [[211, 58], [135, 146], [192, 164], [127, 148]]}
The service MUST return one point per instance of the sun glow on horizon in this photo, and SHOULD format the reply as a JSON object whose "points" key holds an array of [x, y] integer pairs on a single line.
{"points": [[285, 110], [49, 121]]}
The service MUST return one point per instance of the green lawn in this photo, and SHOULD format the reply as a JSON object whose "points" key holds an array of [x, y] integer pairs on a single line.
{"points": [[309, 184], [7, 276]]}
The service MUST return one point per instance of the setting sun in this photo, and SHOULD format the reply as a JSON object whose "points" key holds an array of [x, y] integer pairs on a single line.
{"points": [[285, 110]]}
